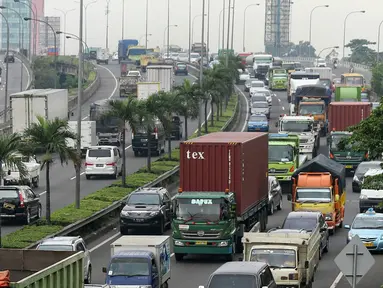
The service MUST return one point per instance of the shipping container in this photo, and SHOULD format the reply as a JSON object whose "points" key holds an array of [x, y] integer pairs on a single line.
{"points": [[345, 114], [236, 161], [43, 269], [163, 74], [146, 89]]}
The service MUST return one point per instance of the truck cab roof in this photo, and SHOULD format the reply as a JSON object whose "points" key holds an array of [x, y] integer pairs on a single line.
{"points": [[63, 240], [296, 118]]}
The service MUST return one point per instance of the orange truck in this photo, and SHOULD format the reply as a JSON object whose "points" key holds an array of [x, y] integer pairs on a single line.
{"points": [[320, 185]]}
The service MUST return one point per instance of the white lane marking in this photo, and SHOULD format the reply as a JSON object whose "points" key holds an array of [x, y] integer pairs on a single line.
{"points": [[74, 177], [279, 100], [128, 147], [247, 109], [283, 108], [42, 193], [29, 75], [336, 281]]}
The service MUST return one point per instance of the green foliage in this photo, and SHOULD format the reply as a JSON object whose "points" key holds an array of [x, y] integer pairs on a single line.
{"points": [[373, 182], [360, 52], [302, 49], [377, 78]]}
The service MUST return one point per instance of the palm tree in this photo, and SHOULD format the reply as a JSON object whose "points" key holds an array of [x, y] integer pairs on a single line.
{"points": [[126, 112], [51, 136], [187, 102]]}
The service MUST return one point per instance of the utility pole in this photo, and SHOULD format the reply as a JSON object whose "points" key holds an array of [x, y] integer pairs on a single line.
{"points": [[228, 34], [146, 24], [168, 35], [223, 24], [232, 27], [107, 25], [123, 20], [201, 68], [208, 32]]}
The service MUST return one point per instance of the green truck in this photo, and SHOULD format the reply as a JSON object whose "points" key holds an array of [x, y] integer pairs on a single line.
{"points": [[277, 78], [348, 94], [284, 158], [43, 269], [223, 193]]}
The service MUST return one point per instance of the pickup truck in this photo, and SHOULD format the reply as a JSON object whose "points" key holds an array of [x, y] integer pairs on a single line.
{"points": [[32, 177]]}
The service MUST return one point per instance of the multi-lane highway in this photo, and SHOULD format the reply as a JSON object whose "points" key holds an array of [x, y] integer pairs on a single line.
{"points": [[194, 271]]}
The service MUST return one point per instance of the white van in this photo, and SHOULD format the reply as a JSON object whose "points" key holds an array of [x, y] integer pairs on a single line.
{"points": [[103, 161]]}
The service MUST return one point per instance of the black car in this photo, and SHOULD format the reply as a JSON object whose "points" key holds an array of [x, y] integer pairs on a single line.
{"points": [[10, 58], [176, 128], [304, 220], [363, 167], [19, 203], [181, 68], [147, 208]]}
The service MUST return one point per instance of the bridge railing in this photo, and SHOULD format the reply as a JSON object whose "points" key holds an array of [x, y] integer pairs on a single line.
{"points": [[341, 63]]}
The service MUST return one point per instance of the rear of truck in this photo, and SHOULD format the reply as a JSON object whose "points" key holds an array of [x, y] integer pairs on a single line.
{"points": [[348, 93], [223, 192], [343, 115]]}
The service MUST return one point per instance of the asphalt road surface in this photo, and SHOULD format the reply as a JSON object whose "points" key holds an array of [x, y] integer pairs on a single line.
{"points": [[194, 271]]}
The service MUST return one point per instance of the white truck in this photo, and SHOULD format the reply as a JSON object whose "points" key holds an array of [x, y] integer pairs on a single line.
{"points": [[145, 89], [26, 105], [163, 74], [325, 74], [292, 255], [88, 135], [31, 179], [134, 259], [303, 126], [102, 56]]}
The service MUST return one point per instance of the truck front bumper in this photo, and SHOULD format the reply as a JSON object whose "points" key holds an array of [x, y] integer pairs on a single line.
{"points": [[193, 246], [349, 165]]}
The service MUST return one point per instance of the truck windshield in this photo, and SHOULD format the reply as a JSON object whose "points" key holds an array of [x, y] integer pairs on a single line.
{"points": [[276, 258], [233, 281], [296, 126], [136, 52], [314, 109], [263, 60], [336, 139], [143, 199], [281, 153], [200, 209], [313, 194], [353, 80], [128, 267]]}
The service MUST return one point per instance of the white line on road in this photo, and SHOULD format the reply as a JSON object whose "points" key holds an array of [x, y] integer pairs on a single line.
{"points": [[337, 280], [74, 177], [247, 109], [283, 108], [279, 100]]}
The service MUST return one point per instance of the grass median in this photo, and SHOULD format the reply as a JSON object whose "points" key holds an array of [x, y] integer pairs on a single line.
{"points": [[103, 198]]}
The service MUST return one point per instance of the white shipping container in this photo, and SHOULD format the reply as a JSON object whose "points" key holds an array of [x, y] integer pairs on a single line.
{"points": [[145, 89], [324, 72], [26, 105], [163, 74], [88, 134]]}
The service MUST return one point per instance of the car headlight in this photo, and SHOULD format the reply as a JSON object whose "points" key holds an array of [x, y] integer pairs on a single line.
{"points": [[154, 213], [124, 213], [350, 235], [362, 196], [178, 243], [328, 217], [356, 179]]}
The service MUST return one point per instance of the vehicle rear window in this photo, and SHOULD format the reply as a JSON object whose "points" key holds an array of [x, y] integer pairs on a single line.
{"points": [[8, 194], [99, 153], [181, 66], [233, 280], [307, 224], [55, 247]]}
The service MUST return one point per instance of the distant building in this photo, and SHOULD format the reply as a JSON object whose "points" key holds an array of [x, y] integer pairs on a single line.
{"points": [[47, 37]]}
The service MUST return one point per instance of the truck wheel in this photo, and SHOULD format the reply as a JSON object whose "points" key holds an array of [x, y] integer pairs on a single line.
{"points": [[179, 257], [88, 278]]}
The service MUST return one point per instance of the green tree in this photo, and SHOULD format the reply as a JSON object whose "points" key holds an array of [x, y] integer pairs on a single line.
{"points": [[302, 49], [51, 137], [126, 112], [360, 52], [377, 78]]}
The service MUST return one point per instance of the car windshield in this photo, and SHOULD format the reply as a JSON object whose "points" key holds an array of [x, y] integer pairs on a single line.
{"points": [[260, 105], [314, 109], [276, 258], [143, 199], [295, 223], [258, 98], [336, 139], [210, 210], [257, 118], [99, 153], [257, 84], [313, 195], [233, 281], [370, 222], [129, 266], [47, 247], [365, 166], [136, 52], [281, 153], [296, 126]]}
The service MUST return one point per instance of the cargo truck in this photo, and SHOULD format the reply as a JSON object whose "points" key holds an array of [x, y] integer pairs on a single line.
{"points": [[102, 56], [88, 135], [35, 268], [300, 78], [325, 75], [348, 94], [223, 193], [26, 105], [163, 74], [139, 261], [341, 116], [145, 89], [123, 46], [293, 255], [284, 158]]}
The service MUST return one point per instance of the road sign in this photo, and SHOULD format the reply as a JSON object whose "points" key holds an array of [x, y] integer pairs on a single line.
{"points": [[354, 261]]}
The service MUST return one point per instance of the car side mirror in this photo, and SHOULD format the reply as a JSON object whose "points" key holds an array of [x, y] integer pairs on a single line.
{"points": [[104, 270], [347, 227], [289, 197]]}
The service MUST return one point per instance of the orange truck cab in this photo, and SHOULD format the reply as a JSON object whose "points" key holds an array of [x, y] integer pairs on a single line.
{"points": [[319, 185]]}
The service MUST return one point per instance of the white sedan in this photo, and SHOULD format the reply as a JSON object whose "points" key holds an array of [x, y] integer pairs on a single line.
{"points": [[115, 56], [183, 57]]}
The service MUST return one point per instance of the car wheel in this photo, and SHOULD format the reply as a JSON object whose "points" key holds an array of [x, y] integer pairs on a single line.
{"points": [[39, 212], [115, 175], [161, 228], [87, 177], [88, 279], [280, 205], [325, 250], [271, 208], [28, 217]]}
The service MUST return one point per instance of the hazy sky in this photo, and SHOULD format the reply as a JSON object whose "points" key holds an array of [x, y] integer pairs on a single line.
{"points": [[327, 22]]}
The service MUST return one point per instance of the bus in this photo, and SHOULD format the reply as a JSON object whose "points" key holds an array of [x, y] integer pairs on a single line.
{"points": [[353, 79], [135, 53]]}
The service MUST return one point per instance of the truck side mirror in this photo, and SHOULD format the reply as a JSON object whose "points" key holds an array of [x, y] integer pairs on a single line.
{"points": [[306, 264], [289, 198], [104, 270], [337, 198]]}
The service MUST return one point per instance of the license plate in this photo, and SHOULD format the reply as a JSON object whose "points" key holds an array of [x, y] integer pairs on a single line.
{"points": [[368, 244], [99, 165], [348, 166], [201, 243], [138, 220]]}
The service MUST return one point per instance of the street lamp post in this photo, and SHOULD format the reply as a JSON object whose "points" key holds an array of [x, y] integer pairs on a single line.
{"points": [[377, 54], [123, 20], [311, 18], [146, 25], [6, 73], [31, 45], [223, 24], [192, 34], [219, 26], [208, 32], [244, 25], [85, 9], [168, 36], [167, 28], [64, 12], [331, 47], [201, 67], [55, 41], [344, 30], [21, 42], [228, 35], [107, 25], [190, 24], [232, 27]]}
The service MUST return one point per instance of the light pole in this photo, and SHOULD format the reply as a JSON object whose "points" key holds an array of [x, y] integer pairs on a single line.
{"points": [[190, 27], [219, 26], [208, 33], [377, 53], [223, 24], [167, 28], [344, 29], [192, 34], [107, 25], [64, 12], [31, 45], [142, 36], [232, 28], [146, 25], [55, 41], [228, 35], [311, 19], [85, 9], [201, 66], [168, 36], [244, 25], [6, 74], [21, 42], [332, 47], [123, 20]]}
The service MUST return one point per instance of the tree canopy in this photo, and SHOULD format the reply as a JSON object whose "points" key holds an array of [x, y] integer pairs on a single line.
{"points": [[361, 52]]}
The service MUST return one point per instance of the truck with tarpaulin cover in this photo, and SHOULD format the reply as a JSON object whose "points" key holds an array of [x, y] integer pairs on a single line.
{"points": [[284, 158], [348, 93], [300, 78], [320, 185], [218, 199], [312, 100], [24, 268], [277, 78]]}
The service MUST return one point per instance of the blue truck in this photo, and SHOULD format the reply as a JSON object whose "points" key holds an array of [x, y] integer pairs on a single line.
{"points": [[139, 261], [123, 46]]}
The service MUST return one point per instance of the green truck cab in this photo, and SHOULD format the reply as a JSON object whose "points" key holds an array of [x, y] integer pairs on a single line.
{"points": [[284, 158], [348, 94], [278, 78]]}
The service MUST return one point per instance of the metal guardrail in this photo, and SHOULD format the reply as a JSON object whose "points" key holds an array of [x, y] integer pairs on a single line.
{"points": [[342, 63]]}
